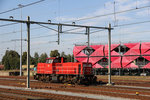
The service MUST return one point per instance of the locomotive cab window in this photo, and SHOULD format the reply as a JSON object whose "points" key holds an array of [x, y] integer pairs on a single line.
{"points": [[49, 61], [57, 60], [87, 65], [65, 59]]}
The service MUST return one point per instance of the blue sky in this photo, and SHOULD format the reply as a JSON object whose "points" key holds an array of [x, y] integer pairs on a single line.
{"points": [[66, 11]]}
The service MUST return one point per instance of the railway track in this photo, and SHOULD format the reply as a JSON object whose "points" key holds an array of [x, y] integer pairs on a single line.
{"points": [[114, 91], [26, 95]]}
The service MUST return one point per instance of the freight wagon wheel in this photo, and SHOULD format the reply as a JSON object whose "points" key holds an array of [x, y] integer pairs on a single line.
{"points": [[94, 80], [74, 80], [43, 78], [65, 80], [88, 80], [36, 77], [50, 80], [79, 81]]}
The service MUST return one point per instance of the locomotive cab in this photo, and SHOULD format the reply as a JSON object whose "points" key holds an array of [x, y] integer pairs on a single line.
{"points": [[53, 60], [56, 60]]}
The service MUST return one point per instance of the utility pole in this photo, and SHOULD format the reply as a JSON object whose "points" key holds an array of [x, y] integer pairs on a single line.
{"points": [[21, 42], [58, 34], [109, 54], [114, 13], [88, 35], [28, 52]]}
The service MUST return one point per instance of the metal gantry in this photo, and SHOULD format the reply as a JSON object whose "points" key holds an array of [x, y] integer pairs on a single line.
{"points": [[28, 22], [28, 53]]}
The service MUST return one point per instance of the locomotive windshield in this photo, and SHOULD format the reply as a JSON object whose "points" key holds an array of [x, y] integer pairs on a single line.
{"points": [[49, 61], [87, 65], [53, 60]]}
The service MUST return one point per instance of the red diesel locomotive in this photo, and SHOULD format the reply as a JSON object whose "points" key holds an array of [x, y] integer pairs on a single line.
{"points": [[57, 70]]}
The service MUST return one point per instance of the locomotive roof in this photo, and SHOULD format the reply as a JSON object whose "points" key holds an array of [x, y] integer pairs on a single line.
{"points": [[53, 57]]}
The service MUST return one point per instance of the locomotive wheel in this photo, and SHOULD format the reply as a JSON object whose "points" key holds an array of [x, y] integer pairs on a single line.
{"points": [[39, 78], [36, 77], [79, 81], [74, 80], [43, 78], [47, 79], [50, 79], [94, 80], [64, 79], [61, 78]]}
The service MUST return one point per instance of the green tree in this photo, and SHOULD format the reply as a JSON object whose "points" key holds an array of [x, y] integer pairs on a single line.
{"points": [[43, 57], [11, 60], [63, 55], [24, 59], [32, 61], [72, 58], [54, 53], [36, 58], [6, 64], [69, 58]]}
